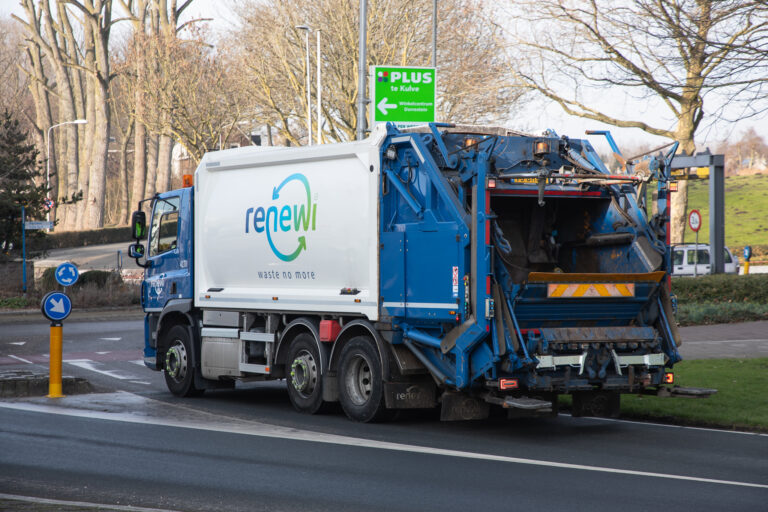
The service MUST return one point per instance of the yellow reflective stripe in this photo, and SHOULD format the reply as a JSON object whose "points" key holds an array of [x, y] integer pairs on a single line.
{"points": [[581, 290], [559, 290]]}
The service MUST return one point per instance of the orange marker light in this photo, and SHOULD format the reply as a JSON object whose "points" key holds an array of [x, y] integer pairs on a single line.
{"points": [[187, 180], [507, 383], [491, 183], [669, 378]]}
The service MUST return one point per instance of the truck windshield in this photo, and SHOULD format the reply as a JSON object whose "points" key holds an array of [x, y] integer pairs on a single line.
{"points": [[164, 229]]}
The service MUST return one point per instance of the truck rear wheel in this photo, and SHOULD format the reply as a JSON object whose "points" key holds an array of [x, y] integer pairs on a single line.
{"points": [[361, 386], [178, 365], [303, 374]]}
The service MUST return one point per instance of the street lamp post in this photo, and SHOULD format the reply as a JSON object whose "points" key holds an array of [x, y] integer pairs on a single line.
{"points": [[48, 162], [306, 30], [361, 70], [319, 95]]}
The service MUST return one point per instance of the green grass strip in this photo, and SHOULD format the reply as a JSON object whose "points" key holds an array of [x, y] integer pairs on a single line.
{"points": [[741, 402]]}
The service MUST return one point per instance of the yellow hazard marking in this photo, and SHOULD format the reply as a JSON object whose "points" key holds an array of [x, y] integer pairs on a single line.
{"points": [[567, 291]]}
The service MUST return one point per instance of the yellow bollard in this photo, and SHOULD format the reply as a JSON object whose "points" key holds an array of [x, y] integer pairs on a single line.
{"points": [[54, 377]]}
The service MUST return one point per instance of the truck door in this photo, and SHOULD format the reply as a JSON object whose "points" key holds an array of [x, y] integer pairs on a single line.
{"points": [[165, 273]]}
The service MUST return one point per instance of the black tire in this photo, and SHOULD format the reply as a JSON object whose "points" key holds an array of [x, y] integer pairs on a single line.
{"points": [[303, 374], [178, 366], [361, 383]]}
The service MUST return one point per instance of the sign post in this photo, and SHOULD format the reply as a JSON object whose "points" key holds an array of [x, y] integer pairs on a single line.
{"points": [[694, 221], [404, 96], [56, 307]]}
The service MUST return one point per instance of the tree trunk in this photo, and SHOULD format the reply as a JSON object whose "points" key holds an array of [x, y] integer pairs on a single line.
{"points": [[164, 163], [139, 161], [149, 191], [679, 204]]}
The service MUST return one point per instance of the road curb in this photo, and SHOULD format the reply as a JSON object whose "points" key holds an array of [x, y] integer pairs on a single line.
{"points": [[21, 383], [123, 313]]}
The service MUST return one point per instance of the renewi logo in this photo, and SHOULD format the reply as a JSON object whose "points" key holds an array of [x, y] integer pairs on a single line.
{"points": [[282, 217]]}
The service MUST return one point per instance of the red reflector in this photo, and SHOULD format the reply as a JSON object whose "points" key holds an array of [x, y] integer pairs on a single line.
{"points": [[329, 330], [507, 383], [669, 378]]}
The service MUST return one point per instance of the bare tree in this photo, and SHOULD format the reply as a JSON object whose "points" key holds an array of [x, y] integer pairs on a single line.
{"points": [[677, 52], [71, 39], [194, 95], [473, 83]]}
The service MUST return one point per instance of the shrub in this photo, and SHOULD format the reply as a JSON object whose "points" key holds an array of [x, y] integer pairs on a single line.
{"points": [[721, 288]]}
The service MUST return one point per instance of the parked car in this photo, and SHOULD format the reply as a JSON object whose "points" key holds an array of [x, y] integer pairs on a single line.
{"points": [[684, 260]]}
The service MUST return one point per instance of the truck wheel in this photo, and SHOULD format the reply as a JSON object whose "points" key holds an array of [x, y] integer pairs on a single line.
{"points": [[303, 366], [179, 371], [361, 386]]}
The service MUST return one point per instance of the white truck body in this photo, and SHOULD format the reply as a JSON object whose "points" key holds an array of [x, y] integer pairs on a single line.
{"points": [[288, 228]]}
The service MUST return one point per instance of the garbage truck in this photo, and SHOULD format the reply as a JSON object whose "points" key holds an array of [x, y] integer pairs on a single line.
{"points": [[459, 267]]}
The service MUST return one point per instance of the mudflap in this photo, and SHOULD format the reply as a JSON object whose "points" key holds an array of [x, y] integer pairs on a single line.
{"points": [[601, 404], [457, 406], [410, 395]]}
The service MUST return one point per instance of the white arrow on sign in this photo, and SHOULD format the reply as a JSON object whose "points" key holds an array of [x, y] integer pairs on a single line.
{"points": [[384, 107], [58, 307]]}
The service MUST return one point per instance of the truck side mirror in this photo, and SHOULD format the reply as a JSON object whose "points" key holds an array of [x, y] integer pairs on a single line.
{"points": [[136, 251], [139, 225]]}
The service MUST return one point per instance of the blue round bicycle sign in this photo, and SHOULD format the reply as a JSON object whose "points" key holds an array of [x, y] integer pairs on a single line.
{"points": [[67, 274]]}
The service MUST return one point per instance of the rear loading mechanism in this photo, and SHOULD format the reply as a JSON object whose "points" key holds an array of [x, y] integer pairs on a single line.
{"points": [[502, 269]]}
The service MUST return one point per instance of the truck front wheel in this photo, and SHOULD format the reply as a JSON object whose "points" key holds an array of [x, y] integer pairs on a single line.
{"points": [[303, 374], [361, 386], [179, 370]]}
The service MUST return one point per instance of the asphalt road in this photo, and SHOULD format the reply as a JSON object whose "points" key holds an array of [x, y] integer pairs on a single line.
{"points": [[230, 452], [92, 257], [134, 444]]}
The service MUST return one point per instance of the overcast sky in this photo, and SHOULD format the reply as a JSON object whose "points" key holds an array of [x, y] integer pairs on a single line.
{"points": [[539, 115]]}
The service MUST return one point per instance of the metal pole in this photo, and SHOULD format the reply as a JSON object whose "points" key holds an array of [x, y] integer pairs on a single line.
{"points": [[48, 163], [309, 98], [23, 252], [434, 33], [54, 373], [319, 94], [696, 256], [361, 71], [48, 173]]}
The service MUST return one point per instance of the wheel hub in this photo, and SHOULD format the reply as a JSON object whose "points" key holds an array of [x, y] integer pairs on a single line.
{"points": [[176, 361], [304, 373], [357, 380]]}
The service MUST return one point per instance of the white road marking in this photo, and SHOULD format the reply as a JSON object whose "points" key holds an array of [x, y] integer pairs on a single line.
{"points": [[20, 359], [81, 504], [103, 353], [87, 364], [111, 339], [722, 341], [141, 382], [19, 343], [667, 425], [218, 424], [139, 362]]}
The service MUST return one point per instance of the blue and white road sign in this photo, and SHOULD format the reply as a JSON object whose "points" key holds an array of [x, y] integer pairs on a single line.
{"points": [[67, 274], [56, 306]]}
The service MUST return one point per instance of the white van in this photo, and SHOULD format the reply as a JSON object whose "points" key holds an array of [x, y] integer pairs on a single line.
{"points": [[684, 260]]}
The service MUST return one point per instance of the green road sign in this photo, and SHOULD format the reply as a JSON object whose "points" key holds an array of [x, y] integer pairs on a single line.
{"points": [[403, 95]]}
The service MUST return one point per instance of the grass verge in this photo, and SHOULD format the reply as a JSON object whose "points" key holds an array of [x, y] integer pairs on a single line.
{"points": [[741, 402]]}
